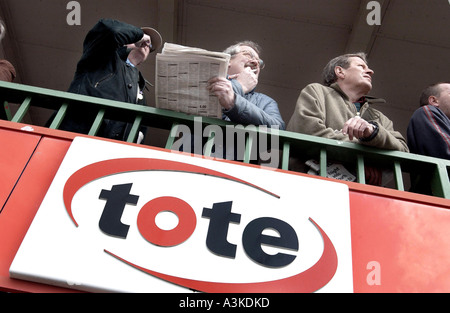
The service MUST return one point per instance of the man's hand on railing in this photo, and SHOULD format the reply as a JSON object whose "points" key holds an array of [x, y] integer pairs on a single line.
{"points": [[358, 127]]}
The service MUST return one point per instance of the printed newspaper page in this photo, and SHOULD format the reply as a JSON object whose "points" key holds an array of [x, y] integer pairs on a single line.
{"points": [[182, 74]]}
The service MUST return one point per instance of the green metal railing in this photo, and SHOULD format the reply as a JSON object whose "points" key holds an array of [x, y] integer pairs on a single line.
{"points": [[288, 146]]}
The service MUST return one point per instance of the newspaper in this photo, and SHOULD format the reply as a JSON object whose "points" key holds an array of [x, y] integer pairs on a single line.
{"points": [[182, 74], [336, 171]]}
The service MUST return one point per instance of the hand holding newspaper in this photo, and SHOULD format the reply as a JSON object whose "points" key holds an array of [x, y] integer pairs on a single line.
{"points": [[182, 74]]}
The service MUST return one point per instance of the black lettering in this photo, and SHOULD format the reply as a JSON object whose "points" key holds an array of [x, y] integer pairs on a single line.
{"points": [[253, 238], [116, 200], [220, 217]]}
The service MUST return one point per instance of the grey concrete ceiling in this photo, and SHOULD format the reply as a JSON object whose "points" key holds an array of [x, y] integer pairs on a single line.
{"points": [[409, 50]]}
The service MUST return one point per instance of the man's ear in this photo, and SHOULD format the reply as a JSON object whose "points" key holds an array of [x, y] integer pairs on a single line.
{"points": [[432, 100], [339, 71]]}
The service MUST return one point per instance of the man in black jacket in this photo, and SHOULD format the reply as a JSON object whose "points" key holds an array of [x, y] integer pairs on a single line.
{"points": [[428, 132], [107, 69], [429, 127]]}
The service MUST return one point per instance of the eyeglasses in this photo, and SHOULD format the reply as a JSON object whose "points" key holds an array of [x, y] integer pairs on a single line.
{"points": [[249, 55]]}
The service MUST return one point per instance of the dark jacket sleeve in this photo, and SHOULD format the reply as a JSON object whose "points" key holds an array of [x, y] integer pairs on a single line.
{"points": [[429, 132], [103, 41]]}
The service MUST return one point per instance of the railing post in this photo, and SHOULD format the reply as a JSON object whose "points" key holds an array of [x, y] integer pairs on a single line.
{"points": [[441, 182], [23, 109], [248, 148], [97, 123], [59, 116], [5, 111], [323, 162], [135, 129], [360, 171], [209, 143], [171, 139], [285, 156], [398, 176]]}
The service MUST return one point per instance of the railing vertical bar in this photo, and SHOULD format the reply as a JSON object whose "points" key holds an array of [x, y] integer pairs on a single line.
{"points": [[59, 116], [23, 109], [398, 176], [441, 185], [360, 172], [135, 129], [97, 122], [285, 156], [7, 110], [209, 143], [248, 148], [172, 136], [445, 181], [323, 162]]}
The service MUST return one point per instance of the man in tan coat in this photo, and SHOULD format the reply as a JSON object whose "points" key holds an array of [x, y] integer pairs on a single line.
{"points": [[340, 108]]}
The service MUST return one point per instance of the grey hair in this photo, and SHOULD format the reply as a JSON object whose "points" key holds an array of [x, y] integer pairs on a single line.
{"points": [[236, 48], [431, 90], [329, 74]]}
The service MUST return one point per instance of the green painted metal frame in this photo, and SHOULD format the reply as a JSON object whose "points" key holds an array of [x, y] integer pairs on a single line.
{"points": [[292, 144]]}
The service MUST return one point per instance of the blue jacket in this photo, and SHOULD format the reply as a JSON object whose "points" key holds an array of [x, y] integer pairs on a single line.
{"points": [[429, 132], [253, 108]]}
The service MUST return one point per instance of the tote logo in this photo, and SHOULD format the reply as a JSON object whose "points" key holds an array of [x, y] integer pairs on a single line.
{"points": [[218, 216], [123, 218]]}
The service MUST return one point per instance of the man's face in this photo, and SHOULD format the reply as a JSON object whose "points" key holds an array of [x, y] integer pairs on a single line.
{"points": [[358, 74], [247, 57], [144, 52], [443, 100], [139, 53]]}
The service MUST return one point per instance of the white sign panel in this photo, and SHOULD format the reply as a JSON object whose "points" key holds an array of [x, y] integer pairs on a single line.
{"points": [[122, 218]]}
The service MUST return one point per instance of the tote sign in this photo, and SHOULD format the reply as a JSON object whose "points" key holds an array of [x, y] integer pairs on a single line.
{"points": [[123, 218]]}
